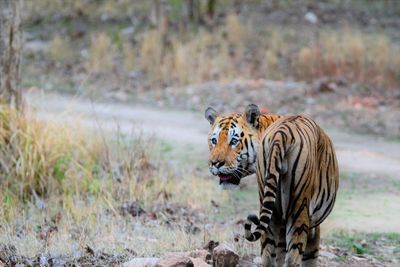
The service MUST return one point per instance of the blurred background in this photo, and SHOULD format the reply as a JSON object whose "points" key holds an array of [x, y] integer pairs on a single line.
{"points": [[108, 160]]}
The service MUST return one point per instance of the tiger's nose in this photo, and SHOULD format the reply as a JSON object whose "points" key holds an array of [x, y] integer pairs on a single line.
{"points": [[217, 163]]}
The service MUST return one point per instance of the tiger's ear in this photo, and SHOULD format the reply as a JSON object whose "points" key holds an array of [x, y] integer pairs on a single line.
{"points": [[252, 113], [210, 114]]}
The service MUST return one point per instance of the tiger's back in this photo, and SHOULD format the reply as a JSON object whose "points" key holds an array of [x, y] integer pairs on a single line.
{"points": [[298, 178], [311, 169]]}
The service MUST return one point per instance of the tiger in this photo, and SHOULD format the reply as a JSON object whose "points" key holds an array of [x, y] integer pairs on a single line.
{"points": [[297, 176]]}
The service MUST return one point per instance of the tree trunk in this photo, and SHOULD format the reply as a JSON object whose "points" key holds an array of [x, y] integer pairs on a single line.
{"points": [[211, 8], [10, 52]]}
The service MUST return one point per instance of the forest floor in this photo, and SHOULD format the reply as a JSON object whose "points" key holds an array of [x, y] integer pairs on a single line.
{"points": [[360, 231]]}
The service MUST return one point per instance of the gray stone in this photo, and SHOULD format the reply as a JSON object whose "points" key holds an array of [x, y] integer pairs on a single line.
{"points": [[327, 254], [311, 17]]}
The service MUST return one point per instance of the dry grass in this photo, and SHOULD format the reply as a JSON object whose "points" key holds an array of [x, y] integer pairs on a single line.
{"points": [[234, 49], [367, 58], [51, 159], [129, 56], [38, 157], [62, 187], [200, 57], [102, 53], [151, 52], [61, 51]]}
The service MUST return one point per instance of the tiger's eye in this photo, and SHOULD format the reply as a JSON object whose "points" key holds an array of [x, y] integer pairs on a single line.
{"points": [[233, 142], [213, 141]]}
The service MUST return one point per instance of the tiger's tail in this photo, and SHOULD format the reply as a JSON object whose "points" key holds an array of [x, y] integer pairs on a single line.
{"points": [[276, 166]]}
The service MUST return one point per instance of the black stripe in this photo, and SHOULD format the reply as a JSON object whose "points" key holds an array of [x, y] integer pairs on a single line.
{"points": [[301, 229], [298, 246], [270, 194], [246, 144], [268, 241], [268, 204], [270, 186], [253, 218], [282, 245], [294, 168], [265, 219]]}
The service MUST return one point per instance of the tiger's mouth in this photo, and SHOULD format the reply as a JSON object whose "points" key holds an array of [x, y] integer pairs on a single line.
{"points": [[231, 178]]}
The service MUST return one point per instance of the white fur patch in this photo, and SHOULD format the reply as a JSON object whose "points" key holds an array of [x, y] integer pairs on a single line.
{"points": [[215, 133], [228, 186]]}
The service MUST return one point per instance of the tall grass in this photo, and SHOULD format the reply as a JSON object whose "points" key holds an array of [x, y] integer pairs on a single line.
{"points": [[366, 58], [102, 53], [35, 156], [234, 49], [43, 159], [237, 49], [62, 187], [49, 160]]}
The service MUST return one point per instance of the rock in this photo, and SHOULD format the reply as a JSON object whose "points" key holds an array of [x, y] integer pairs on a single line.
{"points": [[200, 254], [43, 260], [141, 262], [257, 261], [197, 262], [358, 258], [311, 17], [327, 254], [211, 245], [223, 256], [175, 260]]}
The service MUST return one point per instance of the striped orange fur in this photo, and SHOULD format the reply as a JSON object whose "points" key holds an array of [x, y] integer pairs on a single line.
{"points": [[297, 176]]}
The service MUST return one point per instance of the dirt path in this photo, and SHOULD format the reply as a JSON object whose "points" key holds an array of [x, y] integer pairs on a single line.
{"points": [[355, 153], [363, 155]]}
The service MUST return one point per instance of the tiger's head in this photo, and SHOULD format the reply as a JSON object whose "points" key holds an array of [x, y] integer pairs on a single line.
{"points": [[233, 141]]}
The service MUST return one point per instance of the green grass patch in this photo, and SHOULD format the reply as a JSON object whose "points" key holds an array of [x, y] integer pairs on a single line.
{"points": [[384, 247], [367, 183]]}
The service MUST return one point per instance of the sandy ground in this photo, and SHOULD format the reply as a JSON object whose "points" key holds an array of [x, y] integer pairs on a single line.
{"points": [[363, 155]]}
